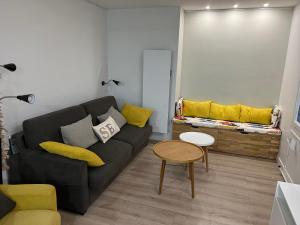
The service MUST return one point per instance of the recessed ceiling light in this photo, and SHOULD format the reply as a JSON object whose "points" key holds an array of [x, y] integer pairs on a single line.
{"points": [[266, 5], [236, 6], [207, 7]]}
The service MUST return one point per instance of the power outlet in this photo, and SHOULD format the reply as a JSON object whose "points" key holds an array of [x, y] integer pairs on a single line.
{"points": [[292, 142]]}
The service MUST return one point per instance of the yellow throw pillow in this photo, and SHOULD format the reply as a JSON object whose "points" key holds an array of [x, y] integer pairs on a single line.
{"points": [[225, 112], [196, 109], [255, 115], [135, 115], [73, 152]]}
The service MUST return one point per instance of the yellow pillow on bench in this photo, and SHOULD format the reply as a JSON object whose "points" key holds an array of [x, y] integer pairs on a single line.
{"points": [[225, 112], [196, 109], [73, 152], [255, 115]]}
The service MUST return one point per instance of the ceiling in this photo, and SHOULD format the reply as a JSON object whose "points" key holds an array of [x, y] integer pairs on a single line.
{"points": [[193, 4]]}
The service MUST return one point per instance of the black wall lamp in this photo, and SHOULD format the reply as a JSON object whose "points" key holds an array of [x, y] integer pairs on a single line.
{"points": [[25, 98], [116, 82], [10, 67], [30, 98]]}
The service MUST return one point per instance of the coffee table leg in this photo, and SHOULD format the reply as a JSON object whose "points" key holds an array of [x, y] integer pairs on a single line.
{"points": [[186, 166], [206, 158], [162, 173], [191, 168]]}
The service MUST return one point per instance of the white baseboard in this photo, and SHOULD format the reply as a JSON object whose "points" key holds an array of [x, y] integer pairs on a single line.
{"points": [[284, 172], [160, 137], [4, 177]]}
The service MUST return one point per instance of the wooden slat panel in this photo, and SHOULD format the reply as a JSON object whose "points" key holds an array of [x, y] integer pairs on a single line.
{"points": [[235, 142]]}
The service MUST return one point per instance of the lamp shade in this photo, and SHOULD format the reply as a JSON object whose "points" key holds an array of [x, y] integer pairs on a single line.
{"points": [[116, 82], [11, 67], [27, 98]]}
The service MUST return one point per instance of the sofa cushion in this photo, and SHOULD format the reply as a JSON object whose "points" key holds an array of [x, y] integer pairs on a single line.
{"points": [[79, 133], [6, 205], [47, 127], [196, 108], [115, 114], [73, 152], [135, 136], [116, 155], [107, 129], [32, 217], [135, 115], [99, 106]]}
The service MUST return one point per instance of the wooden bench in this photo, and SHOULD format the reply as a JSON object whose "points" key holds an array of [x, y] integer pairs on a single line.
{"points": [[236, 142]]}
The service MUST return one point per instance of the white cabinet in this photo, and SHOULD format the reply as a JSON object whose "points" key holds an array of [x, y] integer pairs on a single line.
{"points": [[286, 206], [277, 217]]}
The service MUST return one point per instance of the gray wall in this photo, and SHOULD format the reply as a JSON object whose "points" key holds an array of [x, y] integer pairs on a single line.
{"points": [[59, 47], [130, 31], [290, 160], [235, 56]]}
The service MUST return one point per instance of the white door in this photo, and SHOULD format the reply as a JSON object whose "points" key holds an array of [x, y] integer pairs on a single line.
{"points": [[156, 87]]}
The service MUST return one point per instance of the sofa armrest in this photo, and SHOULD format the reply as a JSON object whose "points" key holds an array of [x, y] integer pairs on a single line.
{"points": [[38, 166], [69, 176], [18, 142], [31, 196]]}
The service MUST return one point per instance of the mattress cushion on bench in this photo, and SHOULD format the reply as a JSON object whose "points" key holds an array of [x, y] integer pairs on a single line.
{"points": [[246, 127]]}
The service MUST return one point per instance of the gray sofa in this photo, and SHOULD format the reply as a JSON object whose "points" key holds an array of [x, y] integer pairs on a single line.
{"points": [[77, 184]]}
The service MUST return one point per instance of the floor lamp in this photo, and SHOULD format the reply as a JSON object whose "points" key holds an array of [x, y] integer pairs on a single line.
{"points": [[3, 132], [4, 142]]}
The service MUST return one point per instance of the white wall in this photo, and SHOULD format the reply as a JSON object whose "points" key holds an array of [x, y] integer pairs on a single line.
{"points": [[59, 47], [290, 160], [179, 56], [130, 31], [235, 56]]}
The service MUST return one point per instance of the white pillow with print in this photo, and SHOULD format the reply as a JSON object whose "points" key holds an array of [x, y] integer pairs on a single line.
{"points": [[107, 129], [276, 116]]}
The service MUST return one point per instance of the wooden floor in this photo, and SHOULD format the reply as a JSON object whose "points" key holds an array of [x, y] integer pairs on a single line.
{"points": [[235, 191]]}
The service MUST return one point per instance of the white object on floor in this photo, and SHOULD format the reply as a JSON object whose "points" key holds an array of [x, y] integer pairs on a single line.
{"points": [[197, 138], [156, 87], [286, 206]]}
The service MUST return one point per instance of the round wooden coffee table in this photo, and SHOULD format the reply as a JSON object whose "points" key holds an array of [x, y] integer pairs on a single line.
{"points": [[178, 152]]}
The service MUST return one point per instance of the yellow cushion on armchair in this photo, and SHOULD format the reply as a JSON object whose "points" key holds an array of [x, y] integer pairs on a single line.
{"points": [[33, 196], [35, 205], [32, 217]]}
